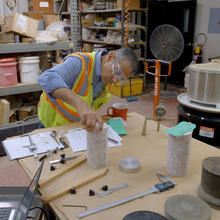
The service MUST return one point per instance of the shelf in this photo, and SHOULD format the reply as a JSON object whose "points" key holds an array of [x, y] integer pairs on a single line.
{"points": [[137, 43], [104, 28], [142, 59], [33, 47], [102, 42], [19, 88], [100, 11], [138, 27], [65, 13], [109, 10]]}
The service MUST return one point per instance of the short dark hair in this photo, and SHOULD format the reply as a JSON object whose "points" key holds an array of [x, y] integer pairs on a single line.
{"points": [[127, 53]]}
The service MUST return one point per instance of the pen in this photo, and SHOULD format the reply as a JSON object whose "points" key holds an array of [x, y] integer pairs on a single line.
{"points": [[113, 140]]}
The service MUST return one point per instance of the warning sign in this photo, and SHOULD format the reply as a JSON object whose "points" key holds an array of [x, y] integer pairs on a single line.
{"points": [[206, 132]]}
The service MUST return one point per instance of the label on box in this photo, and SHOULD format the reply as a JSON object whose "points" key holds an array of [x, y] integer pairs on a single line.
{"points": [[21, 21], [206, 132], [44, 4]]}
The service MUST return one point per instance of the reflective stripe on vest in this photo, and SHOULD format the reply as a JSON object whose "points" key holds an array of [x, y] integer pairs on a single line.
{"points": [[64, 111], [87, 61], [83, 86]]}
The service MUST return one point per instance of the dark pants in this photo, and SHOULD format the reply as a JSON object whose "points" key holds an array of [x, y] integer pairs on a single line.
{"points": [[40, 125]]}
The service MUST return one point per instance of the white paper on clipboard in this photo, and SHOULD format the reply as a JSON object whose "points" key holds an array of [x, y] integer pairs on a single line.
{"points": [[18, 147]]}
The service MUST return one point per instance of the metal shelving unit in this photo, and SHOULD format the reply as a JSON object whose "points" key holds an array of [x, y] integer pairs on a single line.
{"points": [[138, 14], [34, 47], [19, 88], [100, 42], [109, 10], [115, 29], [76, 25], [106, 43], [39, 47]]}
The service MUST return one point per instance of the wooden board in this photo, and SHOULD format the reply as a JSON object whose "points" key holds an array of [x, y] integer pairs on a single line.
{"points": [[67, 185], [6, 38], [51, 176], [4, 111], [151, 151]]}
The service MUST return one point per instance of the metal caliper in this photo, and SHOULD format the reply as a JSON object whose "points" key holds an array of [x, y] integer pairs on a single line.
{"points": [[157, 188]]}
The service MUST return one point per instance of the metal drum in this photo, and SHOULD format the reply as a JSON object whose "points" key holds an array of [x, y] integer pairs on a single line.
{"points": [[204, 83], [206, 119]]}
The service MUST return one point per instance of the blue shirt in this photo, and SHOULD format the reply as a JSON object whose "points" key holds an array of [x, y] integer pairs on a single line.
{"points": [[65, 74]]}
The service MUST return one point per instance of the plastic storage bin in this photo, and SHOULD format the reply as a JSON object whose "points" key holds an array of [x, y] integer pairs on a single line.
{"points": [[29, 69], [8, 71], [135, 88]]}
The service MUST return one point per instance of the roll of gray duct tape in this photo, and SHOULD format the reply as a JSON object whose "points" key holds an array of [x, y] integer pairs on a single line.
{"points": [[144, 215], [186, 207], [129, 165], [210, 181]]}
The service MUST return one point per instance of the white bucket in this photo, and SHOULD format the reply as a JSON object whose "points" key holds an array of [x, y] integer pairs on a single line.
{"points": [[29, 69]]}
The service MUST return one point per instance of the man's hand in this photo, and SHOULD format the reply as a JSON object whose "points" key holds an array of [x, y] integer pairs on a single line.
{"points": [[89, 117]]}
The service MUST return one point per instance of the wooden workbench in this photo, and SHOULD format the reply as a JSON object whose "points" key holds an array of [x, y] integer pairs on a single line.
{"points": [[151, 151]]}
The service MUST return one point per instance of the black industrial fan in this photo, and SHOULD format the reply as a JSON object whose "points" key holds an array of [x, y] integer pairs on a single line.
{"points": [[166, 43]]}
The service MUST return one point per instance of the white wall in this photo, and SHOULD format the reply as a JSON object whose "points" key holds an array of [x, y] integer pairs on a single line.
{"points": [[212, 47], [21, 6]]}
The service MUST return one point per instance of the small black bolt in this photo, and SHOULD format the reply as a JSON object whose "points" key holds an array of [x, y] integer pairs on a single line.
{"points": [[62, 155], [52, 168], [91, 192], [62, 161], [72, 190], [105, 188]]}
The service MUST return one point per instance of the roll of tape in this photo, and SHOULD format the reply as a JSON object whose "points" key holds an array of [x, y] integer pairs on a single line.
{"points": [[129, 165], [186, 207]]}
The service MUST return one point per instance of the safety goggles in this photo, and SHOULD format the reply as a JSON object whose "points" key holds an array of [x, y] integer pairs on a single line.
{"points": [[116, 70]]}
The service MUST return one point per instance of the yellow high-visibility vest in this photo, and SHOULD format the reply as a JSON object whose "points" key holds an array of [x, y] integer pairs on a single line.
{"points": [[55, 112]]}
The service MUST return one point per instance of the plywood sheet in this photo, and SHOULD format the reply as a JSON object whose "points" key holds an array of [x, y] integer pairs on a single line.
{"points": [[151, 151], [4, 111]]}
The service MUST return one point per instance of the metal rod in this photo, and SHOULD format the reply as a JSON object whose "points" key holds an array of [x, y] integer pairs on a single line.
{"points": [[78, 206], [116, 203], [33, 149]]}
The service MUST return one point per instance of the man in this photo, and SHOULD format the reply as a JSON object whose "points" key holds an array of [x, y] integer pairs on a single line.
{"points": [[76, 88]]}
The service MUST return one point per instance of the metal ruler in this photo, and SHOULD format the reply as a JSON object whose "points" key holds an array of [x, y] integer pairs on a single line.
{"points": [[112, 190], [33, 148], [116, 203]]}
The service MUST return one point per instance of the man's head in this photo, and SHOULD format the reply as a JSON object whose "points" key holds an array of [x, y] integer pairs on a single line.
{"points": [[119, 64]]}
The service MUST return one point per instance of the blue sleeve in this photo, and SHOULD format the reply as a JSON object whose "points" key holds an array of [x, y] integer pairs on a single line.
{"points": [[61, 76]]}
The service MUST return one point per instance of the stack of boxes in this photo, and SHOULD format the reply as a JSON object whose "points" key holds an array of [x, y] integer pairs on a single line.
{"points": [[24, 27], [133, 4]]}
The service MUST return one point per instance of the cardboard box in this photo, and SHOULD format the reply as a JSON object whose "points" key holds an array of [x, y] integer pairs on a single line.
{"points": [[41, 5], [48, 19], [27, 40], [6, 38], [37, 15], [133, 4], [1, 20], [26, 111], [21, 25], [87, 47]]}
